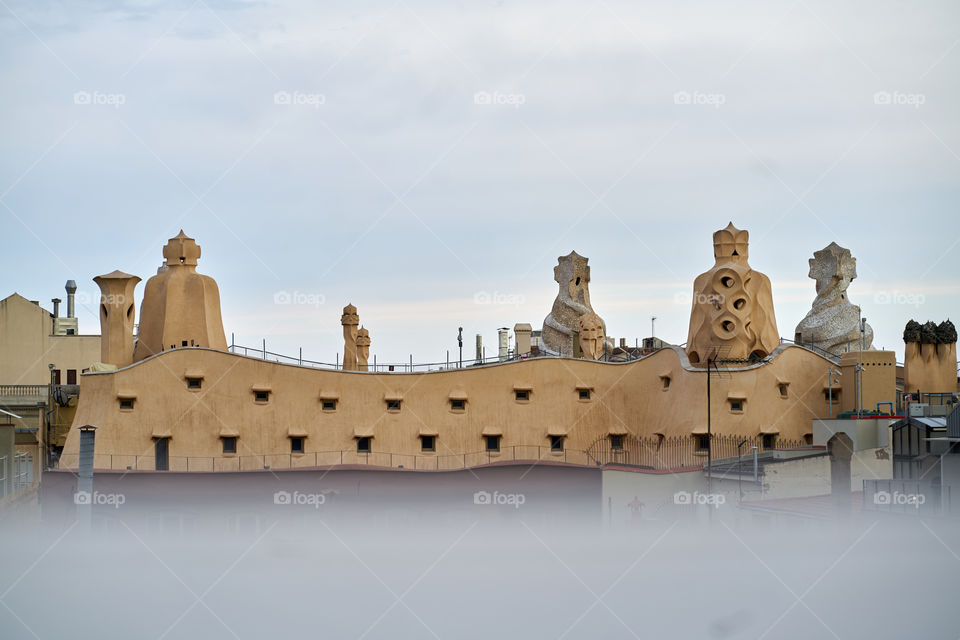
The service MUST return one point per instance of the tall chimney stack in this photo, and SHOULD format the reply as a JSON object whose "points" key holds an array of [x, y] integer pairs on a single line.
{"points": [[71, 288], [56, 307]]}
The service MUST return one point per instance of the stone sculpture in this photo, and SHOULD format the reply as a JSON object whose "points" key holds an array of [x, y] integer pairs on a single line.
{"points": [[180, 308], [591, 335], [732, 316], [573, 301], [350, 320], [833, 324], [363, 349]]}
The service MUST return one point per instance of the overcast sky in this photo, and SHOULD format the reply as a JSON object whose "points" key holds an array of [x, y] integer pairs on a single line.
{"points": [[428, 161]]}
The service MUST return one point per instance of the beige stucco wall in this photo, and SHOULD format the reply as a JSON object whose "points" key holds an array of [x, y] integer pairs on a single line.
{"points": [[27, 346], [629, 396], [879, 379]]}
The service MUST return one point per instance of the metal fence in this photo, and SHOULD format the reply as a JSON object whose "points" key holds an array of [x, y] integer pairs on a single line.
{"points": [[419, 462], [410, 366], [677, 452], [652, 453]]}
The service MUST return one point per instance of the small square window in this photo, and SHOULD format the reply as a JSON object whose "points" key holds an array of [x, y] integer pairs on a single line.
{"points": [[329, 405], [183, 343], [71, 376], [584, 394], [229, 444], [666, 382], [523, 395], [458, 405], [393, 405], [616, 443], [126, 404], [831, 396], [736, 405], [261, 396], [428, 443], [493, 443], [702, 441], [296, 445], [783, 390], [769, 441], [556, 443], [194, 383], [363, 445]]}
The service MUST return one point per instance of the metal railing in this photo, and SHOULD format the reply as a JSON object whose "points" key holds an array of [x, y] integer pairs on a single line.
{"points": [[806, 345], [663, 454], [678, 452], [259, 462], [410, 367]]}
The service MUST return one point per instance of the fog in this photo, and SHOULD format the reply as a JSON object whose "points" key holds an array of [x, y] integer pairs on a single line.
{"points": [[455, 573]]}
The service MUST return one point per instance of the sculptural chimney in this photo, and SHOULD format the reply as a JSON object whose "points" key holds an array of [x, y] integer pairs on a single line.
{"points": [[350, 321], [180, 308], [117, 317], [732, 315]]}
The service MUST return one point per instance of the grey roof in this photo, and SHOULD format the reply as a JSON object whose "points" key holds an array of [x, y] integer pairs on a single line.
{"points": [[930, 423], [953, 423]]}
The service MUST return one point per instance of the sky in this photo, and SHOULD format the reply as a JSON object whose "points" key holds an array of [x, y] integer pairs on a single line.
{"points": [[429, 161]]}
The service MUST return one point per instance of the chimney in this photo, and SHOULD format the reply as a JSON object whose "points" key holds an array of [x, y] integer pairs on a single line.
{"points": [[84, 496], [479, 348], [56, 307], [502, 333], [71, 288]]}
